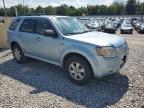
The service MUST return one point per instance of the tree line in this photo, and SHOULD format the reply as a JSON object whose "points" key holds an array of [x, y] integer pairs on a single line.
{"points": [[132, 7]]}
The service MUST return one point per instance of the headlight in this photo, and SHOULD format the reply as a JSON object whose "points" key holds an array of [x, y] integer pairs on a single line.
{"points": [[106, 51]]}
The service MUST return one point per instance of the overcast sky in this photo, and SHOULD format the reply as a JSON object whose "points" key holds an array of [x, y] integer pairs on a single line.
{"points": [[44, 3]]}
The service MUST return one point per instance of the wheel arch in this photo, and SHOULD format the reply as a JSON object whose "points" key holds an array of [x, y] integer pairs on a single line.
{"points": [[14, 43], [68, 55]]}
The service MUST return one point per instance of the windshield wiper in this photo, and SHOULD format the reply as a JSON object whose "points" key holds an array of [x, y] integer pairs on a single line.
{"points": [[74, 33], [84, 32]]}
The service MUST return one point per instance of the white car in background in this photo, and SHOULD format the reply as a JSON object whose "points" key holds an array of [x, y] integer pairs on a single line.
{"points": [[126, 28]]}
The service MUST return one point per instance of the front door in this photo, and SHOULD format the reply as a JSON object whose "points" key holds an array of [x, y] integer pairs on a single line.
{"points": [[46, 47]]}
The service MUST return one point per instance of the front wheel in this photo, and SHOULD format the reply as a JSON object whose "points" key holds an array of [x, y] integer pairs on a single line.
{"points": [[18, 54], [78, 70]]}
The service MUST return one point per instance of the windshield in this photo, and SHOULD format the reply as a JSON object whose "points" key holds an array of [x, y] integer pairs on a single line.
{"points": [[110, 25], [70, 26], [126, 25]]}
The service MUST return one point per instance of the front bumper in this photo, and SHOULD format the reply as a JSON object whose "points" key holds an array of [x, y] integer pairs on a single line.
{"points": [[142, 30], [110, 30], [128, 31], [109, 66], [105, 66]]}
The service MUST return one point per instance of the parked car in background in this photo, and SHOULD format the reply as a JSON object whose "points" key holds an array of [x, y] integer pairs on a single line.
{"points": [[94, 26], [140, 29], [107, 23], [109, 28], [65, 42], [126, 28], [136, 24]]}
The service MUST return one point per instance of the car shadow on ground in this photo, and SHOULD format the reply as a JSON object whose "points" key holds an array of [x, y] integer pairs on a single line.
{"points": [[2, 50], [46, 77]]}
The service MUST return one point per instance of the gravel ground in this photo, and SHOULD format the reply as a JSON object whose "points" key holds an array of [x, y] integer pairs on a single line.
{"points": [[41, 85]]}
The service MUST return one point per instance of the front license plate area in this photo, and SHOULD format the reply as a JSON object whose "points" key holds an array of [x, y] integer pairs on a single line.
{"points": [[123, 60]]}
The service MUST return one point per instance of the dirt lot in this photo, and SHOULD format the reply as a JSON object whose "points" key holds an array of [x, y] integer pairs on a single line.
{"points": [[40, 85]]}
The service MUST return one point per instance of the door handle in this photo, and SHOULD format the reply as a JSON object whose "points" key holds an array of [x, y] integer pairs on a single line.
{"points": [[38, 39]]}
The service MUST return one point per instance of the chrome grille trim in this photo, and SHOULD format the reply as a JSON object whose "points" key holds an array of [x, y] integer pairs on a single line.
{"points": [[121, 50]]}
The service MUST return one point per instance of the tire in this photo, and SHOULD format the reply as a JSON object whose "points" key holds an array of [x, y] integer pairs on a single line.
{"points": [[114, 32], [18, 54], [139, 31], [74, 75]]}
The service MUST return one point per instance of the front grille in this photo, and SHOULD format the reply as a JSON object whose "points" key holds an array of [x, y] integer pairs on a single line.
{"points": [[123, 61], [121, 50]]}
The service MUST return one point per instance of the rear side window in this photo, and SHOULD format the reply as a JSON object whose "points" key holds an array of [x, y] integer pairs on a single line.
{"points": [[28, 25], [14, 24]]}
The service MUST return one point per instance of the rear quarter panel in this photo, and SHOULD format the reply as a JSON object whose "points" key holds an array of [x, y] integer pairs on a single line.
{"points": [[13, 36]]}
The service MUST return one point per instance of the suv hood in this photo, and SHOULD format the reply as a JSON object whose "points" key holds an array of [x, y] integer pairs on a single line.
{"points": [[99, 39]]}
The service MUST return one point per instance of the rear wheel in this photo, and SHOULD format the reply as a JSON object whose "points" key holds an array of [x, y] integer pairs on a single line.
{"points": [[18, 54], [78, 70], [114, 32], [141, 32]]}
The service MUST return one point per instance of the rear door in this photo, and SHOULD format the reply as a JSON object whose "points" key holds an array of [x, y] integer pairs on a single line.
{"points": [[12, 33], [27, 36]]}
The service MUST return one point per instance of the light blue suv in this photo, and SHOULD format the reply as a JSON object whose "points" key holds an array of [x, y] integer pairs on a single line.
{"points": [[65, 42]]}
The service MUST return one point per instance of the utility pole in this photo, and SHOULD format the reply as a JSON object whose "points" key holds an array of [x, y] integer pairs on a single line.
{"points": [[4, 8], [16, 13], [23, 7], [143, 12]]}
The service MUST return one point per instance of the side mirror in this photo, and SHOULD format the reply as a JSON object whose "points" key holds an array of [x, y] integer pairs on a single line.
{"points": [[50, 33]]}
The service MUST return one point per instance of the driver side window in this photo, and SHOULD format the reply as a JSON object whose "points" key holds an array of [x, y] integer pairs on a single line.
{"points": [[42, 25]]}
